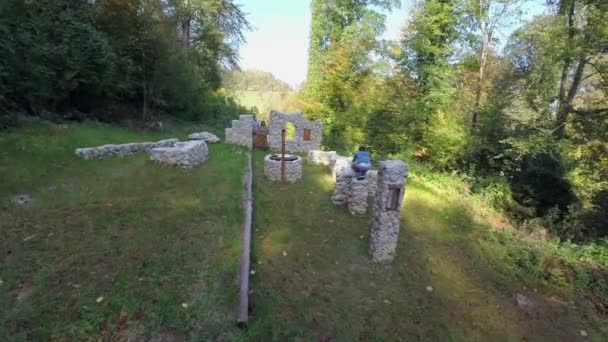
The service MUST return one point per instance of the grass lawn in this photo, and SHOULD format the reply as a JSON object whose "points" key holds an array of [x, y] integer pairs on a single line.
{"points": [[313, 278], [119, 248]]}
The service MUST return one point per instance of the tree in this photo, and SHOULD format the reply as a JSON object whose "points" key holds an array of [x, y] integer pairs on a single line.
{"points": [[486, 17], [586, 46]]}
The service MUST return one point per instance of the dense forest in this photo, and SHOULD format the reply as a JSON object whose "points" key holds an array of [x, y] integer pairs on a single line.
{"points": [[118, 59], [523, 117]]}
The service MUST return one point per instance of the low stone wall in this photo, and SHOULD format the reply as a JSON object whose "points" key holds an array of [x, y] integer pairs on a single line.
{"points": [[317, 157], [184, 154], [122, 150], [241, 131], [293, 169]]}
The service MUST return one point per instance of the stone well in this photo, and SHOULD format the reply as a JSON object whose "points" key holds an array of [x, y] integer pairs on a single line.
{"points": [[293, 167]]}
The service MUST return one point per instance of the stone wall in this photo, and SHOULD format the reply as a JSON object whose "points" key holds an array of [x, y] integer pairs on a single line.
{"points": [[293, 169], [384, 225], [241, 131], [122, 150], [297, 144], [184, 154]]}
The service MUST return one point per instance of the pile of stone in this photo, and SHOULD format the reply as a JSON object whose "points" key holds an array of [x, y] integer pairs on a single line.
{"points": [[293, 168], [317, 157], [122, 150], [209, 138], [183, 154], [241, 131]]}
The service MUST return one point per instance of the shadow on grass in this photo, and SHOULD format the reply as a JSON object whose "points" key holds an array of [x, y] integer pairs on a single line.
{"points": [[314, 278]]}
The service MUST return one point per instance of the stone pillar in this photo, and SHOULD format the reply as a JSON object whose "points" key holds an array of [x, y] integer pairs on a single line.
{"points": [[343, 174], [384, 225], [357, 203]]}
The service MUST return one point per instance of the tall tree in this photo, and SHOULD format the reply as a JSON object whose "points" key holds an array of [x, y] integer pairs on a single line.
{"points": [[585, 50], [487, 16]]}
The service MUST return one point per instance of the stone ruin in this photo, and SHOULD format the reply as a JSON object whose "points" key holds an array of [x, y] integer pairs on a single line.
{"points": [[169, 151], [241, 131], [348, 190], [183, 154], [122, 150], [307, 137], [293, 168], [384, 225]]}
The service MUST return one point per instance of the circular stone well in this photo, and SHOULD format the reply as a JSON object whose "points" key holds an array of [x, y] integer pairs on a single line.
{"points": [[293, 167]]}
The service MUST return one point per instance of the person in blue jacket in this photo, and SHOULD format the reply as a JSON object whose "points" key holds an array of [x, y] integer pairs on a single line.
{"points": [[362, 162]]}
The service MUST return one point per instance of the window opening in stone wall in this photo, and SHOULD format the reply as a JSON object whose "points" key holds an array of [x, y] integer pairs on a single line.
{"points": [[394, 195], [290, 131], [307, 134]]}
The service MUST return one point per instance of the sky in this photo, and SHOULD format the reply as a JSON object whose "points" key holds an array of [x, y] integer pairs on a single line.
{"points": [[278, 42]]}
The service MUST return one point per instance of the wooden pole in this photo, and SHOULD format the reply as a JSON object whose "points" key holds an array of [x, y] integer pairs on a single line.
{"points": [[243, 315], [283, 155]]}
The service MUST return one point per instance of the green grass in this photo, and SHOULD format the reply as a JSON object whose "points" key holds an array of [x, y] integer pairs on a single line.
{"points": [[145, 237], [313, 277]]}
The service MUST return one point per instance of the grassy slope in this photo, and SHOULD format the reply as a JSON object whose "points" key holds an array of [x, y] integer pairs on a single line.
{"points": [[325, 286], [146, 238]]}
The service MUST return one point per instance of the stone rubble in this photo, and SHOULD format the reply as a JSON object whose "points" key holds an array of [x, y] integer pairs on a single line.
{"points": [[241, 132], [384, 225], [184, 154], [209, 138], [122, 150], [293, 169]]}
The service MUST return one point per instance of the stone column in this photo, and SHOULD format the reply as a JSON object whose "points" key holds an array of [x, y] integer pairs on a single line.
{"points": [[357, 203], [343, 174], [384, 225]]}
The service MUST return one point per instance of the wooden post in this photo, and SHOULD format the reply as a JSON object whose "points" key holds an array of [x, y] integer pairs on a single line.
{"points": [[244, 306], [283, 156]]}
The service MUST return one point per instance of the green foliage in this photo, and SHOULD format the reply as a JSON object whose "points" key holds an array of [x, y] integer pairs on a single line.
{"points": [[115, 60]]}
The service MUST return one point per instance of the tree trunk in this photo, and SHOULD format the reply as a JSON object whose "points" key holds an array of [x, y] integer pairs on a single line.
{"points": [[479, 88], [565, 98], [565, 106]]}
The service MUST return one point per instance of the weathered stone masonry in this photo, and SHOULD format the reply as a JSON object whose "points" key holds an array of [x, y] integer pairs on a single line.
{"points": [[241, 131], [307, 137], [384, 225], [293, 169]]}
